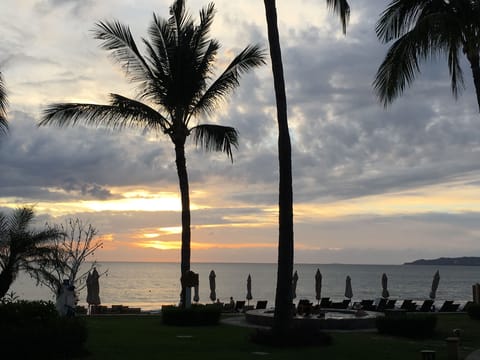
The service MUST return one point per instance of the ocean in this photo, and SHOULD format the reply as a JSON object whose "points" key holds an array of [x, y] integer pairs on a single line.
{"points": [[151, 285]]}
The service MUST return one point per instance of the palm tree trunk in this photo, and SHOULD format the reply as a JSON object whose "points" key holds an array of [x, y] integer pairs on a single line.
{"points": [[185, 197], [6, 280], [475, 65], [283, 315]]}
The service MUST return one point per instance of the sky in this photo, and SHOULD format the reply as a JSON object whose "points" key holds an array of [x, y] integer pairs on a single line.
{"points": [[371, 185]]}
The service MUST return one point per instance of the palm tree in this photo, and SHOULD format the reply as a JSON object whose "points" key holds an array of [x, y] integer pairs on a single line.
{"points": [[423, 29], [175, 77], [3, 107], [284, 297], [21, 247]]}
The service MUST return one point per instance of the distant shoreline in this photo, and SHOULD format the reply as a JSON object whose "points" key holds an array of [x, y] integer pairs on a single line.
{"points": [[462, 261]]}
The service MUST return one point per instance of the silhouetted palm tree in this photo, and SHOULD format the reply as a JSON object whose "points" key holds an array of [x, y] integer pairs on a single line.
{"points": [[21, 247], [3, 107], [283, 297], [175, 77], [424, 29]]}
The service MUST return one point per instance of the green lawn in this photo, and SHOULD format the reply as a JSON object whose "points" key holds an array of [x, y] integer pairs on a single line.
{"points": [[144, 337]]}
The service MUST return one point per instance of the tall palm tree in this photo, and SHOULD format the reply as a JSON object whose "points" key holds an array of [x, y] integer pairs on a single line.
{"points": [[283, 296], [21, 247], [174, 76], [3, 107], [423, 29]]}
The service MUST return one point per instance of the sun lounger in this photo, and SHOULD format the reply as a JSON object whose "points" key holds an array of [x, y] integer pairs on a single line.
{"points": [[304, 307], [239, 305], [408, 305], [390, 304], [228, 307], [446, 304], [427, 306], [449, 306], [367, 305], [261, 304], [340, 305], [381, 305], [325, 302]]}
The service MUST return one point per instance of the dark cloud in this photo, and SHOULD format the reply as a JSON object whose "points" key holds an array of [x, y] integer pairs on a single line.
{"points": [[79, 160]]}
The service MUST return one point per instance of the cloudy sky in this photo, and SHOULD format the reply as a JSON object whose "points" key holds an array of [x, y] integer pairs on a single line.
{"points": [[371, 185]]}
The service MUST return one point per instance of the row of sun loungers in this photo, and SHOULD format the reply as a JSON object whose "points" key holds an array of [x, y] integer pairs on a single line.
{"points": [[114, 309], [305, 306], [239, 306]]}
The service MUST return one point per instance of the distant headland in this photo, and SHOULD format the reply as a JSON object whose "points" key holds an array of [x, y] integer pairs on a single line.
{"points": [[465, 261]]}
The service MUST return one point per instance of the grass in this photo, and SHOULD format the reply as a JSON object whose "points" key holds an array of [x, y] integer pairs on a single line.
{"points": [[145, 337]]}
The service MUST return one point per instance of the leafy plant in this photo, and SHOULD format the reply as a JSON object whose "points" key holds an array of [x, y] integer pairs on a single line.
{"points": [[33, 330], [474, 311]]}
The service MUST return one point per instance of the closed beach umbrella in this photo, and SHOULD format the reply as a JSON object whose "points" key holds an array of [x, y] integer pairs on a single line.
{"points": [[348, 288], [385, 293], [211, 279], [93, 288], [318, 285], [435, 282], [294, 285], [249, 289], [196, 297]]}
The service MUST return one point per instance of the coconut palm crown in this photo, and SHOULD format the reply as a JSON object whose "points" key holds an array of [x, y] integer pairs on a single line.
{"points": [[3, 107], [175, 86], [423, 29]]}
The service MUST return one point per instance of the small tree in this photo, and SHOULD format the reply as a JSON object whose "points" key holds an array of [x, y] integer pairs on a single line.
{"points": [[71, 251], [22, 247]]}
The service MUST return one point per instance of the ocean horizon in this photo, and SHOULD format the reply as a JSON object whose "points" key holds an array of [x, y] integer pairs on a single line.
{"points": [[150, 285]]}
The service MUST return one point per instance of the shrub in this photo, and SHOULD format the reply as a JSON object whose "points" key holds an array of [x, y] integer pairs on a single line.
{"points": [[299, 336], [416, 326], [193, 316], [474, 311], [33, 329]]}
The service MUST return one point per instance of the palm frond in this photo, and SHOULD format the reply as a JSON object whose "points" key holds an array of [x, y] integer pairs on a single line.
{"points": [[399, 18], [200, 40], [20, 219], [252, 56], [216, 138], [435, 32], [179, 19], [397, 70], [160, 35], [3, 106], [118, 40], [121, 113], [158, 50], [449, 38], [341, 8], [205, 66]]}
